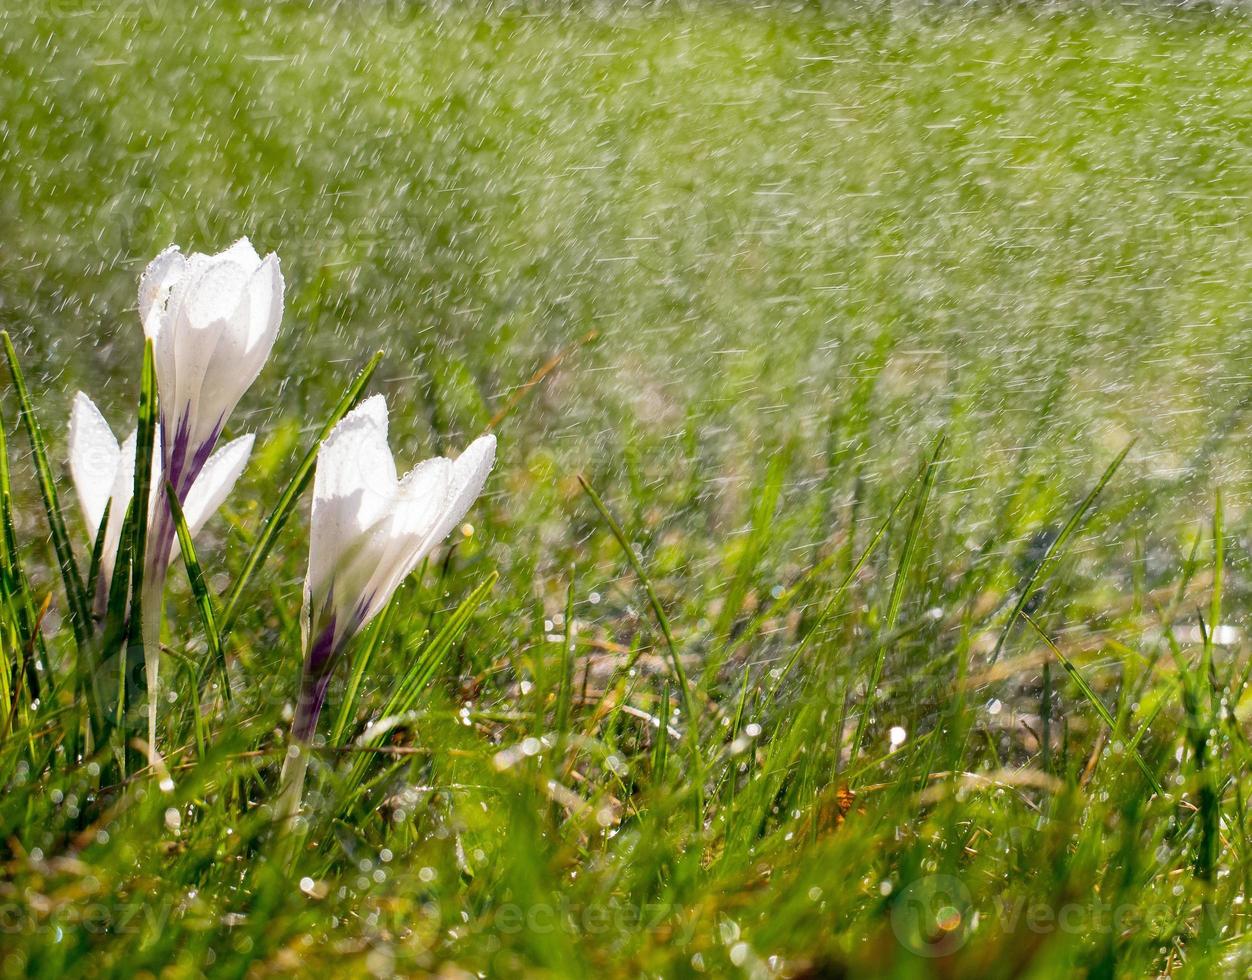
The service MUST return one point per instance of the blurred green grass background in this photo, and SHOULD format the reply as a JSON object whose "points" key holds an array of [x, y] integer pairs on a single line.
{"points": [[807, 239]]}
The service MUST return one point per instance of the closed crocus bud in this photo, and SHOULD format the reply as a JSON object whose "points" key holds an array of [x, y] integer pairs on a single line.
{"points": [[212, 320], [368, 531], [104, 471]]}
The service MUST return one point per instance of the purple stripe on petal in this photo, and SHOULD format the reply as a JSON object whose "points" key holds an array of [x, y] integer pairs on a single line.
{"points": [[175, 450], [183, 461], [318, 667], [202, 454], [309, 707]]}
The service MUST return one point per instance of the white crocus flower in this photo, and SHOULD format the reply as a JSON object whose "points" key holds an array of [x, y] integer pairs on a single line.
{"points": [[212, 320], [368, 531], [104, 471]]}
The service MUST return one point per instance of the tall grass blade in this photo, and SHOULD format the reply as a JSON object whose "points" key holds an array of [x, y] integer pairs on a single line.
{"points": [[833, 602], [347, 709], [766, 501], [1089, 693], [145, 445], [436, 649], [680, 675], [1054, 550], [1215, 604], [903, 567], [419, 674], [79, 609], [20, 602], [565, 685], [97, 556], [117, 624], [204, 601]]}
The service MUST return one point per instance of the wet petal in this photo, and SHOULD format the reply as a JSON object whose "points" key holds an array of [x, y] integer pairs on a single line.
{"points": [[215, 482], [353, 488], [94, 456]]}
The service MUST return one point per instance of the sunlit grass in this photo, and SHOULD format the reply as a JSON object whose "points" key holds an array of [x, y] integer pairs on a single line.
{"points": [[843, 317]]}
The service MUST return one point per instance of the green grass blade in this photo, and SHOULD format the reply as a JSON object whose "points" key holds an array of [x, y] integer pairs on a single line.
{"points": [[145, 443], [903, 567], [766, 502], [97, 554], [1055, 549], [278, 517], [433, 654], [21, 603], [660, 747], [79, 609], [680, 675], [1215, 606], [833, 602], [565, 684], [772, 611], [1089, 693], [347, 709], [115, 620], [423, 668], [204, 601]]}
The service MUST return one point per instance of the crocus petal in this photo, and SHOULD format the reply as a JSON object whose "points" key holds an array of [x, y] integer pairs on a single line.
{"points": [[215, 482], [395, 545], [94, 456], [121, 491], [353, 488], [241, 253], [265, 301], [124, 484], [243, 346], [156, 288], [155, 284], [425, 515], [469, 474], [206, 358]]}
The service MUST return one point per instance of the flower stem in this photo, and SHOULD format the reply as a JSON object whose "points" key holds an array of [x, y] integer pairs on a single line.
{"points": [[291, 784], [151, 625], [152, 608]]}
